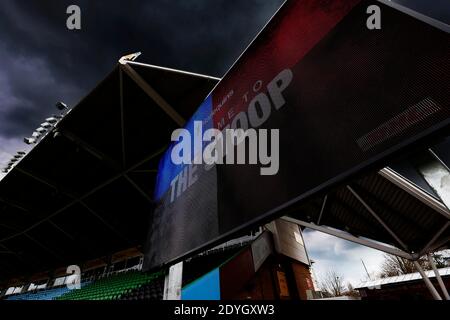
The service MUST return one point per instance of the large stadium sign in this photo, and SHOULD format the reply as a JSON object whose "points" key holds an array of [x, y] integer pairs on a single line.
{"points": [[341, 97]]}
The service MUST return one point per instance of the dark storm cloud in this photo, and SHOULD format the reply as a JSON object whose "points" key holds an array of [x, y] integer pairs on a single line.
{"points": [[42, 62]]}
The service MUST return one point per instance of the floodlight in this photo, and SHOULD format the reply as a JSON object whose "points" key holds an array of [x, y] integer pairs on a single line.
{"points": [[46, 125], [51, 120], [61, 106], [29, 140], [41, 130], [36, 134]]}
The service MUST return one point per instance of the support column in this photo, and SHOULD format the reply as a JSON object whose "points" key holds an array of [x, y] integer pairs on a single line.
{"points": [[173, 282], [427, 281], [438, 277]]}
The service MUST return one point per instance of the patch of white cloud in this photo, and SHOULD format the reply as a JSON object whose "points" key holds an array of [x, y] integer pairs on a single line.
{"points": [[344, 257]]}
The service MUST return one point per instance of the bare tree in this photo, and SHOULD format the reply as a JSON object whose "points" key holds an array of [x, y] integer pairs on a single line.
{"points": [[394, 266], [351, 290], [350, 286], [333, 283]]}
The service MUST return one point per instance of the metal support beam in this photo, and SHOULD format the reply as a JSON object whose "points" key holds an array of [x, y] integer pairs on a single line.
{"points": [[87, 194], [90, 149], [61, 230], [50, 251], [122, 120], [341, 204], [109, 226], [8, 227], [380, 221], [73, 197], [435, 156], [438, 277], [36, 177], [385, 207], [175, 71], [13, 204], [146, 171], [138, 189], [427, 281], [153, 94], [51, 184], [347, 236], [415, 191], [430, 243], [80, 247], [322, 209], [439, 244]]}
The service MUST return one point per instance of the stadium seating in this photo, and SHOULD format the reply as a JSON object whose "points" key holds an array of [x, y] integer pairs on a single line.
{"points": [[49, 294], [114, 287], [150, 291]]}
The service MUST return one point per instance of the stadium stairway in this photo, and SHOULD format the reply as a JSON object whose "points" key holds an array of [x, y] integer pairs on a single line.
{"points": [[123, 285]]}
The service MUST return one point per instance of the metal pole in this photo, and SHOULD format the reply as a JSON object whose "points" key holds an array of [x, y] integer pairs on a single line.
{"points": [[427, 281], [415, 191], [346, 236], [433, 240], [153, 94], [368, 275], [322, 209], [438, 277], [380, 221]]}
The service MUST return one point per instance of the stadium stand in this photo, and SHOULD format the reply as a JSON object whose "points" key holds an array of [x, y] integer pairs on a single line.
{"points": [[119, 281], [114, 287]]}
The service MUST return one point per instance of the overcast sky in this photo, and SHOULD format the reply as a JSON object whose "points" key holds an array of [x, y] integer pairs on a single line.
{"points": [[42, 62], [344, 257]]}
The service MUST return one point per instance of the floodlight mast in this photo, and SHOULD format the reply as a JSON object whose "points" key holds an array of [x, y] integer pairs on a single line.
{"points": [[129, 57]]}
